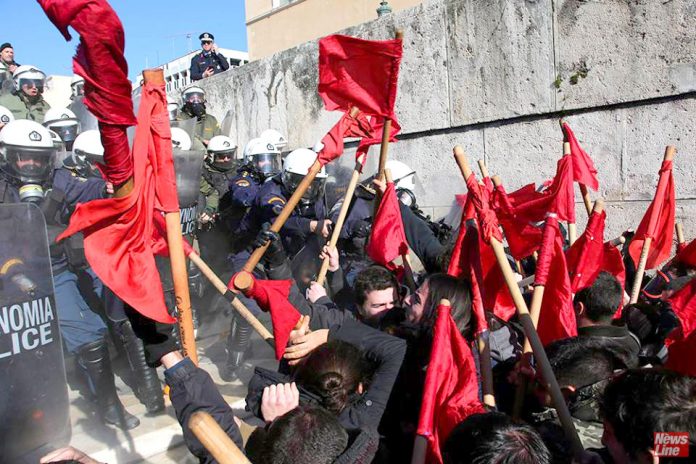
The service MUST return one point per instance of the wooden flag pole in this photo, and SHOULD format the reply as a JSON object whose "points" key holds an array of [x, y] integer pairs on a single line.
{"points": [[572, 228], [530, 331], [586, 198], [483, 168], [345, 206], [234, 301], [670, 151], [405, 258], [484, 349], [215, 440], [177, 259], [243, 280], [680, 233]]}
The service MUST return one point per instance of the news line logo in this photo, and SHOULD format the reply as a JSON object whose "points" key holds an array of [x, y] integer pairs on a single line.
{"points": [[672, 444]]}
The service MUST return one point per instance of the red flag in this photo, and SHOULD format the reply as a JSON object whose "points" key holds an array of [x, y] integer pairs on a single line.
{"points": [[357, 72], [450, 393], [388, 238], [584, 171], [684, 306], [375, 136], [658, 222], [272, 296], [682, 341], [100, 61], [347, 126], [558, 198], [557, 316], [585, 257], [681, 356], [687, 255], [523, 238], [613, 263], [119, 232]]}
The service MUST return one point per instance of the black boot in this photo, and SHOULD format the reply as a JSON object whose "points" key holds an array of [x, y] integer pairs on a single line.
{"points": [[148, 388], [238, 342], [94, 360]]}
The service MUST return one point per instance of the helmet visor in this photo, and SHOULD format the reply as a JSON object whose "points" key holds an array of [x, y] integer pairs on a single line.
{"points": [[78, 89], [68, 133], [38, 83], [292, 180], [267, 163], [29, 164], [194, 97], [224, 160]]}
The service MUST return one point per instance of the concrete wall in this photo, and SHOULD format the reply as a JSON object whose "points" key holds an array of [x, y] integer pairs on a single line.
{"points": [[495, 76], [270, 31]]}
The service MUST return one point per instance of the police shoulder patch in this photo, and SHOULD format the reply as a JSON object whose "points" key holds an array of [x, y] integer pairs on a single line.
{"points": [[242, 183], [276, 200]]}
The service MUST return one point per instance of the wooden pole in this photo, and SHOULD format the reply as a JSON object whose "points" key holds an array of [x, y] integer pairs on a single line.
{"points": [[572, 229], [530, 331], [586, 198], [345, 206], [670, 151], [244, 280], [484, 349], [405, 258], [680, 233], [620, 240], [234, 301], [215, 440], [177, 257], [483, 168]]}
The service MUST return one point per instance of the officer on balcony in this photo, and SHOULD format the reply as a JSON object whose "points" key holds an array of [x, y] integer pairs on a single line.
{"points": [[208, 61]]}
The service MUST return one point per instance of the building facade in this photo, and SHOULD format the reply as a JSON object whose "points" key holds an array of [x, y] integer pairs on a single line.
{"points": [[276, 25]]}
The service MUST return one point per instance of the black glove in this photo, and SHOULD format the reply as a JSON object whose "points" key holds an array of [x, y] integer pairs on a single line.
{"points": [[275, 254]]}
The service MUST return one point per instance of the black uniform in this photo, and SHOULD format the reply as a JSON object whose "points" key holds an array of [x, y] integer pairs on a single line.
{"points": [[205, 60]]}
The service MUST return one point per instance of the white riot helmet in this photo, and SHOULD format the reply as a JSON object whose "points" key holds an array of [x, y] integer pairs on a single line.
{"points": [[28, 153], [29, 75], [275, 137], [6, 115], [404, 181], [64, 122], [86, 152], [172, 108], [263, 157], [77, 86], [296, 166], [194, 101], [222, 153], [181, 139]]}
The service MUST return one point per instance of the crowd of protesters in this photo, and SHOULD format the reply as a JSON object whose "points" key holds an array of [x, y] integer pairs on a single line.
{"points": [[359, 366]]}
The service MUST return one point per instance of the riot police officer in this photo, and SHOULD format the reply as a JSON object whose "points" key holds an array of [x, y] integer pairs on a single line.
{"points": [[275, 137], [77, 87], [26, 101], [207, 126], [63, 122], [28, 153], [209, 61]]}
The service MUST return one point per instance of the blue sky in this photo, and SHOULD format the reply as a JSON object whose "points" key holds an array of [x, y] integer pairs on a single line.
{"points": [[155, 31]]}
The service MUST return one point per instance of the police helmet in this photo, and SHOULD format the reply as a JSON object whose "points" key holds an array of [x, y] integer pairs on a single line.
{"points": [[296, 166], [275, 137], [263, 156], [181, 139], [64, 122], [193, 94], [222, 153], [27, 151], [172, 108], [29, 75], [77, 86], [404, 181], [5, 115]]}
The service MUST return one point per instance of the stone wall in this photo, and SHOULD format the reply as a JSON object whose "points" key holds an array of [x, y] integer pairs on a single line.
{"points": [[494, 76]]}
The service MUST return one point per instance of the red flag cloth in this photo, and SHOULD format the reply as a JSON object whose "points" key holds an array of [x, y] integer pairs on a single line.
{"points": [[450, 393], [272, 296], [347, 126], [557, 316], [388, 238], [684, 306], [100, 61], [375, 136], [496, 296], [658, 222], [586, 256], [119, 232], [584, 171], [613, 263], [687, 255], [558, 198], [159, 238], [357, 72], [681, 356], [523, 238], [682, 341]]}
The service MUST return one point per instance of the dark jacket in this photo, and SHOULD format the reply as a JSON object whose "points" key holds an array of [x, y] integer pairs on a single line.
{"points": [[422, 240], [203, 60], [617, 339]]}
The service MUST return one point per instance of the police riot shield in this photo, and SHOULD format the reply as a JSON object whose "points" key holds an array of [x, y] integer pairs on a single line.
{"points": [[188, 125], [228, 126], [188, 165], [87, 120], [34, 407], [306, 263]]}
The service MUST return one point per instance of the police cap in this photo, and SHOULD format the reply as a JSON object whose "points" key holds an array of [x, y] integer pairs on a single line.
{"points": [[206, 37]]}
